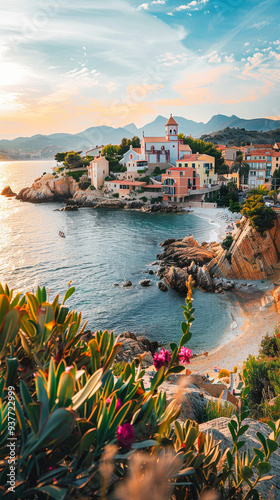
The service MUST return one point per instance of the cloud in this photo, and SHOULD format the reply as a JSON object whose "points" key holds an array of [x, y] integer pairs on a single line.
{"points": [[194, 5], [144, 6]]}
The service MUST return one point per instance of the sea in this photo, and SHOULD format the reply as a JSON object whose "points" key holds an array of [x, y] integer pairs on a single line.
{"points": [[103, 248]]}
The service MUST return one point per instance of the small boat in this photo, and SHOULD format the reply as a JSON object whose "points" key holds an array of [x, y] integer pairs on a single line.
{"points": [[61, 234]]}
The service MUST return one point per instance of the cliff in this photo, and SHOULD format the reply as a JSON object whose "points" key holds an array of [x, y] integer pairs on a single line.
{"points": [[252, 255]]}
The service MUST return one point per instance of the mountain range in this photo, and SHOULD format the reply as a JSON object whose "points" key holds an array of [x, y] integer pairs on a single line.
{"points": [[102, 135]]}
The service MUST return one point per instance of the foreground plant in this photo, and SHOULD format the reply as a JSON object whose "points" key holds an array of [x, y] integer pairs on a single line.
{"points": [[73, 416]]}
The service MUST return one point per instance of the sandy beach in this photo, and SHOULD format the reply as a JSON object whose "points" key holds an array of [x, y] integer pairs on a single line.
{"points": [[252, 324]]}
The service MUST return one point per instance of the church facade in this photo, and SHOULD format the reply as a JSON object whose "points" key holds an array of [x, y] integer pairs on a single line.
{"points": [[167, 149]]}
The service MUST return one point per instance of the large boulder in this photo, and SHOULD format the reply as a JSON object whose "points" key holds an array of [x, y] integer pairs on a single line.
{"points": [[111, 204], [219, 429], [49, 188], [182, 253], [176, 279]]}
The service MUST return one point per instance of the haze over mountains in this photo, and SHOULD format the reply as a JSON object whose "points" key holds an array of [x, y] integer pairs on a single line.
{"points": [[104, 135]]}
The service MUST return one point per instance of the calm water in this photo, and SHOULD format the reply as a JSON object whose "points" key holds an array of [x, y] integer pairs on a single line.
{"points": [[102, 248]]}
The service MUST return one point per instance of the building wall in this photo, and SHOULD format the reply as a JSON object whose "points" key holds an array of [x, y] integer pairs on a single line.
{"points": [[97, 171], [180, 183], [207, 175], [171, 146]]}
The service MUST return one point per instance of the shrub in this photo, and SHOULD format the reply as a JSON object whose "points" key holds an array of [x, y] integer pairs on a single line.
{"points": [[118, 368], [215, 409], [123, 169], [262, 218], [270, 345], [223, 373], [264, 382], [77, 428], [84, 185], [227, 242], [92, 187], [144, 198], [76, 175], [235, 207], [116, 195]]}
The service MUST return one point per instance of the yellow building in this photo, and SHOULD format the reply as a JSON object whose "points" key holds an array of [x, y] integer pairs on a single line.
{"points": [[204, 166]]}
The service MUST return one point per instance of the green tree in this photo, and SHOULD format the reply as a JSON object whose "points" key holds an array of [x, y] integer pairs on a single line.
{"points": [[260, 190], [241, 167], [262, 218], [111, 150], [73, 159], [60, 157], [222, 169]]}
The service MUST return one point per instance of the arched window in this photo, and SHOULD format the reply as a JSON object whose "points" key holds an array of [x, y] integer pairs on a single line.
{"points": [[170, 132], [175, 132]]}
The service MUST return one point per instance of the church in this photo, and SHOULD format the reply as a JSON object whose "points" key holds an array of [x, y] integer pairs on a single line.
{"points": [[166, 149]]}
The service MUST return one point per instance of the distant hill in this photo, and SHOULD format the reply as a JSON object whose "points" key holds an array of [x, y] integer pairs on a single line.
{"points": [[238, 136], [50, 144]]}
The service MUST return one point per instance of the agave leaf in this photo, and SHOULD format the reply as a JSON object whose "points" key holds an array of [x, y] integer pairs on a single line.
{"points": [[9, 329], [4, 307], [66, 388], [68, 294], [92, 385]]}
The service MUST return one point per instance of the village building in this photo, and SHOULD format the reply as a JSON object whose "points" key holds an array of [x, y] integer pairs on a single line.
{"points": [[159, 150], [136, 168], [204, 166], [178, 183], [260, 163], [95, 152], [98, 170], [132, 190]]}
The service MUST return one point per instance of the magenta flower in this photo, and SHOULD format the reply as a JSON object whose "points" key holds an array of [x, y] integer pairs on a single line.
{"points": [[126, 436], [161, 359], [185, 355], [118, 405]]}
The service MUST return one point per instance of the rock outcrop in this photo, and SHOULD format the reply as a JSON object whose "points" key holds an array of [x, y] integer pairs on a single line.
{"points": [[252, 255], [49, 188], [112, 204], [7, 191], [160, 207], [186, 257]]}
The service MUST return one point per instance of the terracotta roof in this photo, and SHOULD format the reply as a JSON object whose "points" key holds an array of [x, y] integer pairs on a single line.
{"points": [[184, 147], [155, 139], [180, 169], [137, 150], [262, 146], [190, 158], [129, 183], [261, 152], [171, 121], [99, 158]]}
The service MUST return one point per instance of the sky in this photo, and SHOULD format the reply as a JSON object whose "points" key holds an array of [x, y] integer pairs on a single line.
{"points": [[66, 65]]}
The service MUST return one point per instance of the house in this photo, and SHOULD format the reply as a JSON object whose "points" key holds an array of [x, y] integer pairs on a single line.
{"points": [[124, 187], [96, 152], [260, 163], [133, 154], [178, 183], [136, 168], [204, 166], [184, 149], [164, 149], [98, 169]]}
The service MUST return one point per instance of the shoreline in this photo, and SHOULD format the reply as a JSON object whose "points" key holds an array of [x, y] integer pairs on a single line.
{"points": [[248, 337]]}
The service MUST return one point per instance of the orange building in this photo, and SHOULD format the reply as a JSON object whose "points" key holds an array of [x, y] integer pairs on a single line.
{"points": [[178, 183]]}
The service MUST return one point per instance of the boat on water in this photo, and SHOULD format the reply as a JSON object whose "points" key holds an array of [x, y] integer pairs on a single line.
{"points": [[61, 234]]}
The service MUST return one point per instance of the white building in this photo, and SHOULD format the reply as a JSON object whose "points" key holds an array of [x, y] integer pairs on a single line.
{"points": [[96, 152], [136, 168], [98, 169], [167, 149]]}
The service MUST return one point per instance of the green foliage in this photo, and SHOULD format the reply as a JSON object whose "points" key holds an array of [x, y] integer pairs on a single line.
{"points": [[77, 174], [222, 169], [83, 185], [116, 195], [92, 187], [69, 407], [73, 159], [262, 218], [217, 410], [260, 190], [227, 195], [270, 345], [241, 167], [227, 242], [60, 157], [119, 150], [123, 168], [144, 198], [235, 207], [158, 171]]}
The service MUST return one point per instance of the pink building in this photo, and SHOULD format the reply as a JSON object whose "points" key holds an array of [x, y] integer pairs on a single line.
{"points": [[178, 183]]}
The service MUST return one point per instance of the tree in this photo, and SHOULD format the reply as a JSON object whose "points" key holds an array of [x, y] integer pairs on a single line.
{"points": [[222, 169], [202, 147], [260, 190], [111, 150], [275, 181], [241, 167], [60, 157], [74, 160], [262, 218]]}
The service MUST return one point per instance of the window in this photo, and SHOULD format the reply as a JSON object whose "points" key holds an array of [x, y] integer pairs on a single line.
{"points": [[180, 165], [181, 174]]}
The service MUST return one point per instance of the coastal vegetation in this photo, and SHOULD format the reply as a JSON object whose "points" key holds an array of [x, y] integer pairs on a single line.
{"points": [[77, 430], [262, 218]]}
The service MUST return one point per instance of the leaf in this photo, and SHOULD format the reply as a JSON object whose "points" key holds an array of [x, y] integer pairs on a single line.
{"points": [[246, 472], [144, 444], [272, 445], [51, 491], [263, 468], [4, 307], [88, 390], [65, 390], [262, 440], [9, 329], [68, 294], [229, 459]]}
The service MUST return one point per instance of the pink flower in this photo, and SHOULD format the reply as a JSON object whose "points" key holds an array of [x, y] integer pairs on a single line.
{"points": [[118, 405], [161, 359], [185, 355], [68, 368], [126, 436]]}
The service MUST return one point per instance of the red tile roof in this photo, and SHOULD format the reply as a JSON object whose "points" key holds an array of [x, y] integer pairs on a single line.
{"points": [[137, 150], [184, 147], [180, 169], [261, 152], [155, 139], [171, 121], [262, 146]]}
